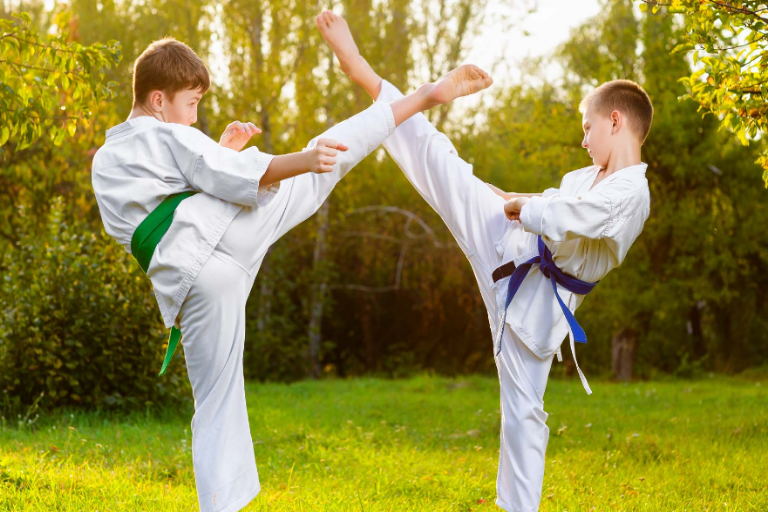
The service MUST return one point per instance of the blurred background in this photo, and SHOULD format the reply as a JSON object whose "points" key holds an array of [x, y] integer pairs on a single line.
{"points": [[373, 284]]}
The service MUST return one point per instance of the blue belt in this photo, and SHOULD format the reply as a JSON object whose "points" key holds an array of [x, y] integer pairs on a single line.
{"points": [[556, 276]]}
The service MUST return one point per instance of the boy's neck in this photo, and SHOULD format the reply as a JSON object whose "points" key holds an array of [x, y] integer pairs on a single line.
{"points": [[620, 159], [138, 111]]}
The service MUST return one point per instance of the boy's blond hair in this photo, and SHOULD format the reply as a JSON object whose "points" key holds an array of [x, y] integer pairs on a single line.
{"points": [[628, 98], [170, 66]]}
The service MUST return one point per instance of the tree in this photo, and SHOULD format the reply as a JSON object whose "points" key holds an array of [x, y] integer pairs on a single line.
{"points": [[49, 84], [50, 88], [728, 39]]}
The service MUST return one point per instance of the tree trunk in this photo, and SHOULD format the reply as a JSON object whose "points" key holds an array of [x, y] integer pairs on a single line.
{"points": [[695, 330], [624, 345], [319, 289], [319, 270]]}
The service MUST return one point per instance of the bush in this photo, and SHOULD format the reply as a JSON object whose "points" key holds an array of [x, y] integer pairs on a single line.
{"points": [[80, 325]]}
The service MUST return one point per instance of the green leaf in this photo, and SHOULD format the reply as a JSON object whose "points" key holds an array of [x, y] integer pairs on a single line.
{"points": [[59, 137], [683, 47], [742, 135]]}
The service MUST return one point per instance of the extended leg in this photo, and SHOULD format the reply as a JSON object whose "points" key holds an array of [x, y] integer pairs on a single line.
{"points": [[473, 213]]}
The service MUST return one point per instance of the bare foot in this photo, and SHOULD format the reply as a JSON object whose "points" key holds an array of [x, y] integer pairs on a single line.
{"points": [[462, 81], [335, 31]]}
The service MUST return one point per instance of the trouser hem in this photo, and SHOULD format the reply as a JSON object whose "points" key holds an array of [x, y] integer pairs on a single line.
{"points": [[242, 502], [508, 508]]}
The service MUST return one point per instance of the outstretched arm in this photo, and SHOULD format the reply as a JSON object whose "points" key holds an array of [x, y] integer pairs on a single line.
{"points": [[365, 131]]}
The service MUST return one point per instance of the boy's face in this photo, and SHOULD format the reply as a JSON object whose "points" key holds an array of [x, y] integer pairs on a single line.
{"points": [[181, 110], [598, 131]]}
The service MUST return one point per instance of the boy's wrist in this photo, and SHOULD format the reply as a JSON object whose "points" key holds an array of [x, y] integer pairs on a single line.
{"points": [[311, 160]]}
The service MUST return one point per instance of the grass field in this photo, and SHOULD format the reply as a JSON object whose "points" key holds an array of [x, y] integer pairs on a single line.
{"points": [[425, 443]]}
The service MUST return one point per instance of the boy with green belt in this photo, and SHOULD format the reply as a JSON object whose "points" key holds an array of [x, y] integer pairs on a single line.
{"points": [[203, 247]]}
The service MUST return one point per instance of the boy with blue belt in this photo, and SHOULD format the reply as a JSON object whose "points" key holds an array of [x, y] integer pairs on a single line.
{"points": [[199, 217], [532, 272]]}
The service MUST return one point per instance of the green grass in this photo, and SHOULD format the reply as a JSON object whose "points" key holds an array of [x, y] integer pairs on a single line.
{"points": [[425, 443]]}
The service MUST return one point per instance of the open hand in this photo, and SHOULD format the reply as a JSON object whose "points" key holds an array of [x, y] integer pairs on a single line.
{"points": [[512, 207], [323, 156], [237, 135]]}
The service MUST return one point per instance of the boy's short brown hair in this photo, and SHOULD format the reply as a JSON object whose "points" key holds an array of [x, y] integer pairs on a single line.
{"points": [[170, 66], [627, 97]]}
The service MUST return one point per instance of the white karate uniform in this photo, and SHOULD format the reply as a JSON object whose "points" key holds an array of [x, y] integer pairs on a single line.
{"points": [[589, 233], [205, 265]]}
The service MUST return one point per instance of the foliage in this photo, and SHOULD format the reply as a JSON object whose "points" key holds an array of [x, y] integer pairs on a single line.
{"points": [[75, 323], [48, 84], [727, 38]]}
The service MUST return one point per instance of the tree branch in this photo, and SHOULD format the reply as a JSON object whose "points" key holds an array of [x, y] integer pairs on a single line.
{"points": [[13, 35], [40, 69], [739, 9]]}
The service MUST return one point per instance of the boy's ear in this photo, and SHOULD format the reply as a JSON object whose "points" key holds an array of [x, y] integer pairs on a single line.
{"points": [[155, 100]]}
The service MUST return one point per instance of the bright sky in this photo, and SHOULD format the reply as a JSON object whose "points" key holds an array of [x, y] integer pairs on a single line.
{"points": [[546, 28], [549, 26]]}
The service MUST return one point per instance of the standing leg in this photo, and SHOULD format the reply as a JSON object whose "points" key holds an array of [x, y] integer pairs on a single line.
{"points": [[212, 321], [524, 433]]}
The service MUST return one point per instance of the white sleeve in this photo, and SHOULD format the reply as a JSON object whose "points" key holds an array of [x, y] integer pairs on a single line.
{"points": [[221, 172], [559, 218], [361, 133], [472, 212], [550, 192]]}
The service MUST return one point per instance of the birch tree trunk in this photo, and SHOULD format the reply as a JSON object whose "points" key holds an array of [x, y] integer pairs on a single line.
{"points": [[624, 345]]}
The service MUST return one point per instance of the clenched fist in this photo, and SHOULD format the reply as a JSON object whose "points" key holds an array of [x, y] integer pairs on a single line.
{"points": [[512, 207], [323, 155]]}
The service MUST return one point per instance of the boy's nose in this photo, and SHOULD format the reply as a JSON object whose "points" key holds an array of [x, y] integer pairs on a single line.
{"points": [[584, 143]]}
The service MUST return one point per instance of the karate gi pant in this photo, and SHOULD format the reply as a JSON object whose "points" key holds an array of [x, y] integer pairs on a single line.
{"points": [[212, 317], [475, 217], [524, 433]]}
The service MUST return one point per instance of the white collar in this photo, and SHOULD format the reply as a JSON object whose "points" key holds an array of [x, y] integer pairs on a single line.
{"points": [[131, 124]]}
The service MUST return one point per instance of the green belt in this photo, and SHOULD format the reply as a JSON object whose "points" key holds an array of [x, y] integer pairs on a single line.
{"points": [[143, 243]]}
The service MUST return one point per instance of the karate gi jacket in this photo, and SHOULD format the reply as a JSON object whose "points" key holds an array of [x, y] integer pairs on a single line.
{"points": [[143, 160]]}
